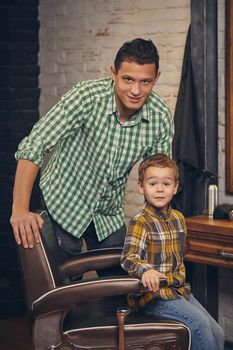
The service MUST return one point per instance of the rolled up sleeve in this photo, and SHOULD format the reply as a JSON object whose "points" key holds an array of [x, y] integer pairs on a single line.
{"points": [[64, 119]]}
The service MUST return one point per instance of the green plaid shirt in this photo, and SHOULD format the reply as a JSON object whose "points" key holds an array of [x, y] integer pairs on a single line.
{"points": [[156, 241], [93, 155]]}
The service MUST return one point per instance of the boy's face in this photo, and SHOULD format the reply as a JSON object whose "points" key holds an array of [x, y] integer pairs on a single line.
{"points": [[133, 85], [159, 186]]}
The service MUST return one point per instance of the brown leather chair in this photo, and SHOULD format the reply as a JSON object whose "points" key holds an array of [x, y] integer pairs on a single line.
{"points": [[85, 314]]}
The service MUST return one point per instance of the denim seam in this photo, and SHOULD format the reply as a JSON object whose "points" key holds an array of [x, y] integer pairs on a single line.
{"points": [[196, 327]]}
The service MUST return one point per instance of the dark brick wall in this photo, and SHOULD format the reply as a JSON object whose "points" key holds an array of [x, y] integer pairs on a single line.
{"points": [[19, 110]]}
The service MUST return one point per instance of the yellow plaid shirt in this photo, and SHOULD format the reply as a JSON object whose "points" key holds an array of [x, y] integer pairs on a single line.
{"points": [[156, 241]]}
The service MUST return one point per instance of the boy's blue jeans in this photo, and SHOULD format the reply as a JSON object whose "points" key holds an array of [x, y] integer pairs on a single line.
{"points": [[206, 333]]}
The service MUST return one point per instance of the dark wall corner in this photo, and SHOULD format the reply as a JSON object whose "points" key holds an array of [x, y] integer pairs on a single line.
{"points": [[19, 110]]}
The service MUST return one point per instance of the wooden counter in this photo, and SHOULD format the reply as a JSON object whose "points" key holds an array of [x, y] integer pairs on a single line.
{"points": [[209, 246], [210, 241]]}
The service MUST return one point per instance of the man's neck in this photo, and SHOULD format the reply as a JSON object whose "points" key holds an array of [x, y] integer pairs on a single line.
{"points": [[125, 113], [123, 118]]}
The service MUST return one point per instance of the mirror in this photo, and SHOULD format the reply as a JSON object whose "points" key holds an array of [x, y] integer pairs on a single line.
{"points": [[229, 97]]}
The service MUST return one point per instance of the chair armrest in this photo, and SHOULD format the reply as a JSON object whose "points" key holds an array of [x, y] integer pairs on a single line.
{"points": [[92, 260], [63, 297]]}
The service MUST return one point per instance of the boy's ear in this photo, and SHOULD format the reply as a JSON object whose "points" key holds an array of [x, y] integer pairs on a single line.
{"points": [[176, 187], [140, 187]]}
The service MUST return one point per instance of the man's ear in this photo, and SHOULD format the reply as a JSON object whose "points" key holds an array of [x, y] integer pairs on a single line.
{"points": [[113, 72], [157, 77], [140, 187]]}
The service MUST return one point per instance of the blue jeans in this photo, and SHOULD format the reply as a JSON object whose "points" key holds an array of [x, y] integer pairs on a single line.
{"points": [[71, 246], [206, 334]]}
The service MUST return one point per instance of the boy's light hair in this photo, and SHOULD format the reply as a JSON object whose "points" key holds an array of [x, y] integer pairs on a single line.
{"points": [[158, 160]]}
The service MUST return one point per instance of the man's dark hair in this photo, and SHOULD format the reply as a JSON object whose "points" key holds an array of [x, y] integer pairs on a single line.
{"points": [[139, 51]]}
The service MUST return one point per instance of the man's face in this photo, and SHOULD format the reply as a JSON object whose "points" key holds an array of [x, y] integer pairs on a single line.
{"points": [[133, 85]]}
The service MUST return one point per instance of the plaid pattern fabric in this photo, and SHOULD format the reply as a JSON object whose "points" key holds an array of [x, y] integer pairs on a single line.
{"points": [[86, 177], [156, 241]]}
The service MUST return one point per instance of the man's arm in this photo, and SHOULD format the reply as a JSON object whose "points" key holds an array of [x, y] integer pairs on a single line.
{"points": [[163, 144], [25, 224]]}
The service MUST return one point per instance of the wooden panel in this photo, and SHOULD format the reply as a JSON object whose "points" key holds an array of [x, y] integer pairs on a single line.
{"points": [[203, 223], [210, 241]]}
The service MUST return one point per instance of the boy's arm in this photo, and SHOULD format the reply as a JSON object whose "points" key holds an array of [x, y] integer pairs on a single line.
{"points": [[25, 224], [134, 254], [132, 259]]}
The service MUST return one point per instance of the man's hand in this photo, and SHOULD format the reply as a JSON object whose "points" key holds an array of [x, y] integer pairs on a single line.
{"points": [[151, 279], [26, 226]]}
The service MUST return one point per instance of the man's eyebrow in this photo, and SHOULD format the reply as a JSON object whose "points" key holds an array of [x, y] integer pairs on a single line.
{"points": [[148, 78], [127, 76], [143, 79]]}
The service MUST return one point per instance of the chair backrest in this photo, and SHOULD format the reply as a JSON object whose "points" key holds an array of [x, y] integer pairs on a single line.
{"points": [[40, 264], [52, 250]]}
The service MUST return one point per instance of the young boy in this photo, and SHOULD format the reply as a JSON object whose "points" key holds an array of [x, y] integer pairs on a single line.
{"points": [[154, 249]]}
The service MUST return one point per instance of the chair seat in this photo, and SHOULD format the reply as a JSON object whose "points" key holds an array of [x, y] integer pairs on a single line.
{"points": [[154, 336], [85, 325]]}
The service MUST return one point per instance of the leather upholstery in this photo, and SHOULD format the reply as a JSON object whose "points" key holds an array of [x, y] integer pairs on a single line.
{"points": [[83, 315]]}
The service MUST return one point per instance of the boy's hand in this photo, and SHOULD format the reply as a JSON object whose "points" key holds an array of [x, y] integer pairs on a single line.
{"points": [[151, 278]]}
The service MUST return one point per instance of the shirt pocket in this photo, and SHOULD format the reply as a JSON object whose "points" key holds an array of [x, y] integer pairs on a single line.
{"points": [[128, 155], [180, 244], [111, 200]]}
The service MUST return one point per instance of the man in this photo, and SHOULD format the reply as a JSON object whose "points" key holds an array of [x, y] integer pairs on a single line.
{"points": [[99, 130]]}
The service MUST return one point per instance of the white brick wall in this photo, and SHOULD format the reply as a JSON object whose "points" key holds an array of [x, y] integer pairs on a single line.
{"points": [[226, 275], [223, 197], [80, 38]]}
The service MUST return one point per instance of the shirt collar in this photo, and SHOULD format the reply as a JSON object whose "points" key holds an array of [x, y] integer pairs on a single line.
{"points": [[156, 212]]}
